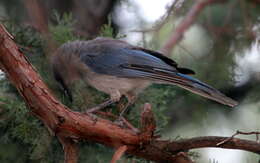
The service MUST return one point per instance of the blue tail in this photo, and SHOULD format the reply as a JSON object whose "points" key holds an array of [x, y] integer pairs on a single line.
{"points": [[198, 87]]}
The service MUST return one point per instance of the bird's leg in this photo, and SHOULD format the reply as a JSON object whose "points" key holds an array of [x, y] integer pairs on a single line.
{"points": [[101, 106], [115, 97], [130, 101], [124, 110], [121, 104]]}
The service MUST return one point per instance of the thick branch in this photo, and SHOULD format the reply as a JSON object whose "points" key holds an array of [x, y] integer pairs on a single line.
{"points": [[185, 24], [72, 126]]}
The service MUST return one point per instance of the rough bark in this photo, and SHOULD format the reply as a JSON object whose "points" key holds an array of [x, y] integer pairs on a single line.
{"points": [[71, 126]]}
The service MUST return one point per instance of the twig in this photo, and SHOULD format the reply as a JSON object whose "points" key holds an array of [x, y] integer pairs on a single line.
{"points": [[185, 24], [158, 25], [7, 33], [119, 153], [240, 133]]}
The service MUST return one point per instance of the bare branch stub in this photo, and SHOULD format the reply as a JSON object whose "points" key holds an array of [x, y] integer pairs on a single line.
{"points": [[189, 19], [148, 124], [119, 153], [70, 149]]}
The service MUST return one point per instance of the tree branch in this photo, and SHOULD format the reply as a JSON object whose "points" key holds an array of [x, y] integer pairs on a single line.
{"points": [[70, 149], [189, 19], [214, 141], [71, 126]]}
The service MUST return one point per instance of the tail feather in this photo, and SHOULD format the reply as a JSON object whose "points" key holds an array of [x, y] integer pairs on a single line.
{"points": [[195, 86], [187, 82]]}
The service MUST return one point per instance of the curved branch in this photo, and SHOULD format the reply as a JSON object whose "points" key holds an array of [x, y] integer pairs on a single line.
{"points": [[185, 24], [71, 126]]}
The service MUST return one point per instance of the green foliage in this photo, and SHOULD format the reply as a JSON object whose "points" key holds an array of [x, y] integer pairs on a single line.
{"points": [[27, 39], [18, 128], [107, 29], [63, 32]]}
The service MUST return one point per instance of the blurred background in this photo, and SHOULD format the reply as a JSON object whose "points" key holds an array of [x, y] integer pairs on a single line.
{"points": [[222, 47]]}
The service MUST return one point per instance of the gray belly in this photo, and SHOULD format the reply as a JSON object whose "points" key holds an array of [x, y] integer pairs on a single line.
{"points": [[110, 84]]}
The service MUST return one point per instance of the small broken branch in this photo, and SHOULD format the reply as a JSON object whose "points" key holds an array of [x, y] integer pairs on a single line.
{"points": [[189, 19], [70, 149], [119, 153], [148, 124]]}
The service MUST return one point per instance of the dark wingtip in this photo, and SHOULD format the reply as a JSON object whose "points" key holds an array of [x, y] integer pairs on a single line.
{"points": [[186, 71]]}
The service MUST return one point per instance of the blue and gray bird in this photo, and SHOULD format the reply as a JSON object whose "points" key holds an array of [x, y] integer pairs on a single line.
{"points": [[118, 68]]}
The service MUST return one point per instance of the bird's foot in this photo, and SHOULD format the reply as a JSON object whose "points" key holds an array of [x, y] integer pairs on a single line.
{"points": [[93, 110], [93, 117], [120, 121], [100, 106]]}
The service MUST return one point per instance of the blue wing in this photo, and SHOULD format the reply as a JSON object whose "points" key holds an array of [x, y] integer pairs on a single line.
{"points": [[134, 63], [118, 62]]}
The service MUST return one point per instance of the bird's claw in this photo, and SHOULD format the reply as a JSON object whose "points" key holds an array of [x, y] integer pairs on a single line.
{"points": [[92, 116], [120, 122]]}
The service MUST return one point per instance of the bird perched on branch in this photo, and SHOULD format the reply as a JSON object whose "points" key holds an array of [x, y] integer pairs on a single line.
{"points": [[118, 68]]}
